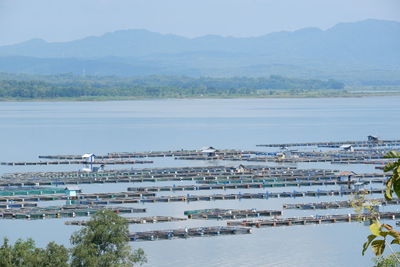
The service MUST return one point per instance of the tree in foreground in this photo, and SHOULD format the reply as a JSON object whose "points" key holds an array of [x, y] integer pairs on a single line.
{"points": [[383, 235], [104, 242], [26, 254]]}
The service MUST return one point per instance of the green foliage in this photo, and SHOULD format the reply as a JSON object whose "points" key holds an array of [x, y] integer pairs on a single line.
{"points": [[104, 243], [366, 244], [375, 228], [26, 254], [393, 184], [56, 86], [378, 230], [389, 261], [393, 154], [360, 203], [55, 255], [378, 246], [384, 230]]}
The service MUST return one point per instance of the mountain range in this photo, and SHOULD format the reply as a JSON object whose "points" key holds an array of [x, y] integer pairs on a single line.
{"points": [[365, 51]]}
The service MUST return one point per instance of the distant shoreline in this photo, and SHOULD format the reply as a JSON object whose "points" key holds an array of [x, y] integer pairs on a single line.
{"points": [[99, 88], [306, 94]]}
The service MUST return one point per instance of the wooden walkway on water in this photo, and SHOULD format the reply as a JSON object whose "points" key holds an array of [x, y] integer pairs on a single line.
{"points": [[125, 197], [14, 205], [139, 220], [240, 196], [379, 143], [225, 214], [148, 172], [243, 184], [334, 157], [188, 232], [294, 182], [151, 154], [313, 220], [266, 195], [358, 160], [164, 172], [60, 211], [89, 196], [263, 175], [77, 162], [371, 154], [338, 204], [202, 179], [31, 190]]}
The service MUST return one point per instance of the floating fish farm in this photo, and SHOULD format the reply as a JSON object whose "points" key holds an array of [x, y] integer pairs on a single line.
{"points": [[272, 172]]}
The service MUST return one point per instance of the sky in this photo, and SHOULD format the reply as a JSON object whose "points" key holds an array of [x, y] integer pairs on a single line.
{"points": [[65, 20]]}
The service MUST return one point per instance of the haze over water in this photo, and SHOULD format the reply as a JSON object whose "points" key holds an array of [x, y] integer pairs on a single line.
{"points": [[29, 129]]}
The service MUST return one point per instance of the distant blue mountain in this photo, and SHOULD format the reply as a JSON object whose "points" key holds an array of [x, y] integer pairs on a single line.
{"points": [[370, 45]]}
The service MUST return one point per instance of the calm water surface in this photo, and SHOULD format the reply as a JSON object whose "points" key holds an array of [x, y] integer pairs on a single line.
{"points": [[31, 129]]}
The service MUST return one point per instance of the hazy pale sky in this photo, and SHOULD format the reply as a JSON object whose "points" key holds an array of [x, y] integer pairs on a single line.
{"points": [[64, 20]]}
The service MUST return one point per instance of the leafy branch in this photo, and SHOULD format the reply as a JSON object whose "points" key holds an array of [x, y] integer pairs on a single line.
{"points": [[385, 230], [393, 184]]}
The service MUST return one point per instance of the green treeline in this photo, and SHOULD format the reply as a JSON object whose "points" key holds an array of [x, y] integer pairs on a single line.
{"points": [[58, 86], [103, 242]]}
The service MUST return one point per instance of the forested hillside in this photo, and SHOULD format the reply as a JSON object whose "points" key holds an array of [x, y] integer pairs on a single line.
{"points": [[361, 52]]}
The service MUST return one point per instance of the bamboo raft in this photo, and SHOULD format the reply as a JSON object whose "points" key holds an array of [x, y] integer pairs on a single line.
{"points": [[355, 160], [372, 153], [129, 179], [266, 195], [313, 220], [119, 198], [188, 232], [56, 178], [58, 182], [216, 157], [225, 214], [379, 143], [262, 174], [33, 190], [306, 181], [112, 201], [14, 205], [333, 160], [151, 154], [60, 211], [77, 162], [168, 172], [243, 184], [366, 177], [338, 204], [91, 196], [140, 220]]}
